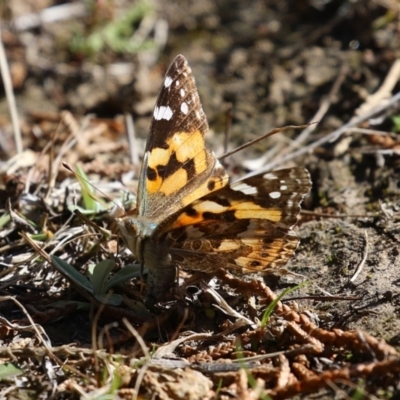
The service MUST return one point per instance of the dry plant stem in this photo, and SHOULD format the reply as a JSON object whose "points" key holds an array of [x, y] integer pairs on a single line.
{"points": [[270, 133], [89, 222], [285, 373], [361, 265], [138, 337], [54, 167], [22, 328], [39, 334], [228, 124], [384, 92], [54, 164], [39, 250], [19, 221], [324, 107], [305, 337], [130, 128], [374, 132], [341, 216], [331, 137], [95, 322], [180, 326], [348, 339], [139, 381], [66, 351], [5, 74], [105, 331], [301, 325], [146, 353], [340, 393], [32, 169], [313, 383], [52, 172], [364, 340]]}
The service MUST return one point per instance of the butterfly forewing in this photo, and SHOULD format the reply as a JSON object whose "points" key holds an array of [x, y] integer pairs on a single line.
{"points": [[177, 168]]}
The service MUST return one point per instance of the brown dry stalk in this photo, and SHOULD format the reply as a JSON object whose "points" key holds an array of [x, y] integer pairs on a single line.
{"points": [[311, 383]]}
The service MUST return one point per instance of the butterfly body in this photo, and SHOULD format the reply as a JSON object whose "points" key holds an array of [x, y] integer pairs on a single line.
{"points": [[188, 214]]}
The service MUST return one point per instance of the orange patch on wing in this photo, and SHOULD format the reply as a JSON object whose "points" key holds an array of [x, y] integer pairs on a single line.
{"points": [[185, 220], [186, 146], [248, 210], [218, 183], [197, 216], [174, 182], [152, 186], [190, 146]]}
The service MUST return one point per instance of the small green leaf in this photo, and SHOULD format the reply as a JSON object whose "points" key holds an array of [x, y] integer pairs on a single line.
{"points": [[111, 299], [91, 201], [123, 275], [40, 237], [84, 211], [271, 307], [4, 220], [87, 190], [8, 371], [396, 123], [72, 274], [100, 274]]}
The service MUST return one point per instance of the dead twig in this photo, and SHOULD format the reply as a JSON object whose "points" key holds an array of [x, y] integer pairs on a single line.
{"points": [[270, 133], [12, 105], [130, 128], [331, 137], [361, 265], [323, 108]]}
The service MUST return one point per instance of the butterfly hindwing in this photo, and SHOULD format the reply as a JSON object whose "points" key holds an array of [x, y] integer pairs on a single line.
{"points": [[243, 227]]}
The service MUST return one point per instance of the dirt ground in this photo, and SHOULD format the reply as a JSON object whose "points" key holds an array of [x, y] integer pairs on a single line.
{"points": [[258, 65]]}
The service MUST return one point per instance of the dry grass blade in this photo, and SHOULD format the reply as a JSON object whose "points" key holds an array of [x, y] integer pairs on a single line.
{"points": [[333, 136], [270, 133], [5, 73], [224, 306]]}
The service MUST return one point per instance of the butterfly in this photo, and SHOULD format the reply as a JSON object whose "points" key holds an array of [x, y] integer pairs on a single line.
{"points": [[188, 213]]}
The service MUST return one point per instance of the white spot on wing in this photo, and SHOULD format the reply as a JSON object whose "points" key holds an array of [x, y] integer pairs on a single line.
{"points": [[162, 113], [184, 108], [168, 81], [228, 245], [275, 195], [177, 83], [245, 188], [270, 175], [283, 187], [182, 92]]}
